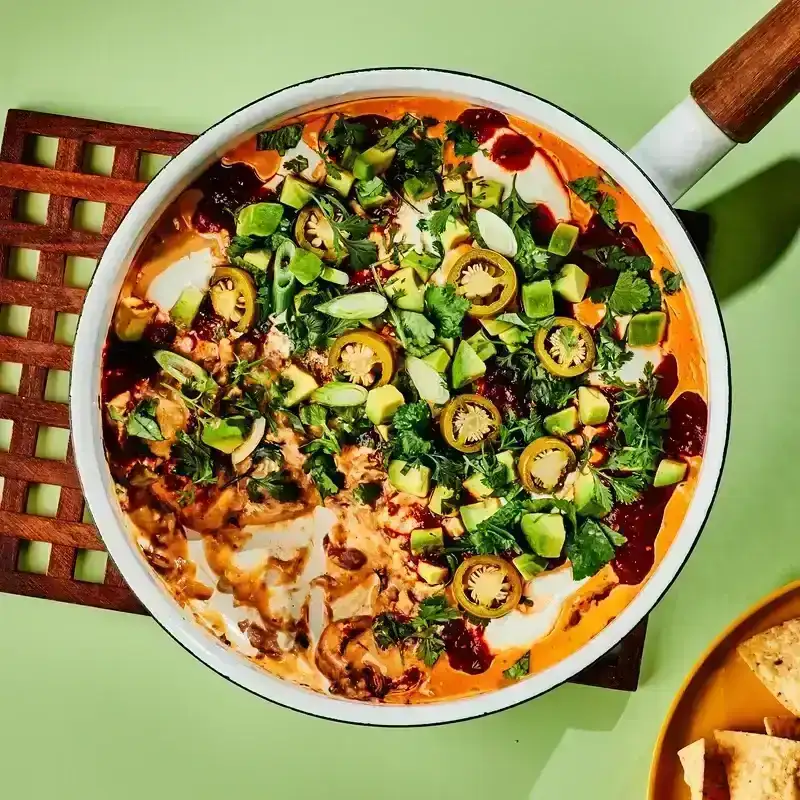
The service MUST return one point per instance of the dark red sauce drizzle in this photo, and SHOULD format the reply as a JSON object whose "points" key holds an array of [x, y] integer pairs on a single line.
{"points": [[224, 190], [513, 151], [667, 373], [483, 122], [373, 124], [465, 647], [688, 418], [501, 387]]}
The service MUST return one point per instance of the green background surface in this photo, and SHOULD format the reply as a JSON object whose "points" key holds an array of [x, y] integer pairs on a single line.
{"points": [[95, 704]]}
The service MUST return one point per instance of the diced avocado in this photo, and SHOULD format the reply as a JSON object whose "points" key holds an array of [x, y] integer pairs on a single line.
{"points": [[372, 162], [259, 219], [571, 283], [495, 327], [186, 307], [303, 385], [222, 435], [295, 192], [305, 266], [422, 263], [528, 565], [513, 338], [455, 233], [412, 480], [545, 533], [537, 299], [431, 574], [349, 156], [562, 422], [258, 258], [405, 290], [585, 502], [647, 330], [467, 366], [383, 432], [448, 344], [342, 183], [382, 402], [593, 407], [669, 472], [439, 502], [475, 513], [453, 183], [475, 484], [482, 345], [426, 540], [486, 193], [563, 239], [420, 188], [372, 193], [438, 359]]}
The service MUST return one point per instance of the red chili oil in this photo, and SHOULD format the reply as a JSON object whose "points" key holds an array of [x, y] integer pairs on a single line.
{"points": [[499, 386], [688, 419], [483, 122], [513, 151], [640, 523], [225, 188], [466, 648], [667, 373], [365, 277]]}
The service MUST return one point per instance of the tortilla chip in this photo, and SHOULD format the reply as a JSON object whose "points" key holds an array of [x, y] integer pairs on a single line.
{"points": [[703, 772], [783, 727], [774, 656], [760, 767]]}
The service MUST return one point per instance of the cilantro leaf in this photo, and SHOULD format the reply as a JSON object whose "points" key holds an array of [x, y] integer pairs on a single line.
{"points": [[278, 485], [464, 141], [630, 294], [418, 329], [315, 416], [418, 155], [343, 134], [519, 669], [296, 164], [194, 460], [142, 422], [446, 308], [433, 610], [517, 432], [367, 493], [390, 630], [412, 417], [611, 354], [362, 253], [492, 536], [280, 139], [591, 547], [321, 467], [673, 281], [444, 208], [607, 209], [614, 257], [588, 189]]}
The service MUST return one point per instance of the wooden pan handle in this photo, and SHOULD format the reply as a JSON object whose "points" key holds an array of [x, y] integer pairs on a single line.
{"points": [[755, 78]]}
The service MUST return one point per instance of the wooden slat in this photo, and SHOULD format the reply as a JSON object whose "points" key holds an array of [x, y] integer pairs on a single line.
{"points": [[39, 237], [38, 470], [40, 354], [42, 412], [28, 293], [167, 143], [47, 529], [98, 188]]}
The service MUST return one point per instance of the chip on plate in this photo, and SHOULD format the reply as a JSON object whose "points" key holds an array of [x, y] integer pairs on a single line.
{"points": [[703, 772], [784, 727], [760, 767], [774, 656]]}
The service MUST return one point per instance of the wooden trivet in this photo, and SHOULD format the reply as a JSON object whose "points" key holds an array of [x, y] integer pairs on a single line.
{"points": [[68, 183]]}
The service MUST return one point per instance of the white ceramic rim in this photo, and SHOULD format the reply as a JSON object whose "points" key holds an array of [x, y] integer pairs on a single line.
{"points": [[96, 317]]}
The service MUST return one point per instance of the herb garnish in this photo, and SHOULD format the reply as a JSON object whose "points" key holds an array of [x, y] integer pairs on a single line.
{"points": [[673, 281], [446, 308], [519, 669], [463, 139], [142, 422], [280, 139], [588, 190], [194, 459]]}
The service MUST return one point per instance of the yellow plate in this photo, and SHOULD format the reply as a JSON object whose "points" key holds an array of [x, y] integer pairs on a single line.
{"points": [[720, 693]]}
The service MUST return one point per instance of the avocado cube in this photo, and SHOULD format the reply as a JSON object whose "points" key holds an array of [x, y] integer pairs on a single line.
{"points": [[455, 233], [482, 345], [405, 291], [439, 504], [537, 299], [486, 193], [432, 574], [342, 183], [349, 156], [585, 502], [528, 565], [258, 258], [426, 540], [372, 193], [422, 263], [467, 366], [545, 533], [669, 472], [647, 330], [513, 338], [474, 513], [186, 307], [475, 484], [303, 385], [438, 359], [383, 432], [496, 327], [259, 219], [454, 183], [295, 192], [562, 422], [449, 344], [411, 480], [563, 239], [382, 402], [372, 162], [222, 435], [571, 283], [420, 188], [593, 406]]}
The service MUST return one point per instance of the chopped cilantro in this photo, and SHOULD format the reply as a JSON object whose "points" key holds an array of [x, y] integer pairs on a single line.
{"points": [[418, 330], [446, 308], [630, 294], [493, 535], [614, 257], [367, 493], [591, 547], [673, 281], [194, 460], [464, 141], [519, 669], [343, 134], [588, 189], [280, 139], [296, 164], [142, 422], [278, 485]]}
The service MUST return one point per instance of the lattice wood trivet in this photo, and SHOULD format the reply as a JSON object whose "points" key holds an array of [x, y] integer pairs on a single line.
{"points": [[57, 238]]}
